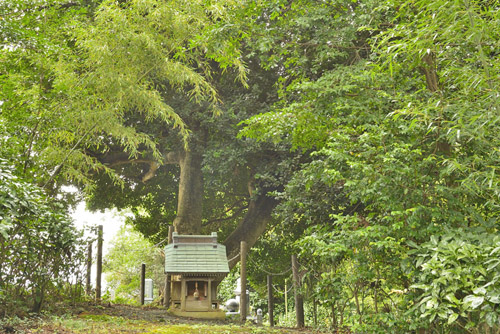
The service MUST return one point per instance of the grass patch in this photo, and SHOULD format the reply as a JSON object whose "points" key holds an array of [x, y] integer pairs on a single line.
{"points": [[89, 323], [209, 329]]}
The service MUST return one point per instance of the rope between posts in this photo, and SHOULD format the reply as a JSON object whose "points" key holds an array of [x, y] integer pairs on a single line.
{"points": [[270, 273], [158, 244], [234, 258], [148, 247], [276, 274], [278, 291]]}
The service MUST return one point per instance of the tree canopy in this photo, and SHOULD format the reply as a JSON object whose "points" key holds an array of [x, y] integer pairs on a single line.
{"points": [[362, 135]]}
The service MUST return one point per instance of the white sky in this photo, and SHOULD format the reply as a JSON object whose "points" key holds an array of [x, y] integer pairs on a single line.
{"points": [[111, 222]]}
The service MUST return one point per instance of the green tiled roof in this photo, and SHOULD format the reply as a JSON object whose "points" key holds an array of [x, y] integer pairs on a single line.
{"points": [[195, 255]]}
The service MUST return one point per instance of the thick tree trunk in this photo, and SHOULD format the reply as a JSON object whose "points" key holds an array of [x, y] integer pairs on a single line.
{"points": [[251, 227], [190, 197]]}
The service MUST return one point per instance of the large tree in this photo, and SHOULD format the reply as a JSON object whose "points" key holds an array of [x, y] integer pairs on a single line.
{"points": [[213, 185], [133, 85], [203, 96]]}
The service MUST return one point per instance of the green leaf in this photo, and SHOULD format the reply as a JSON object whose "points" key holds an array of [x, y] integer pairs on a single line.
{"points": [[452, 318], [474, 301], [491, 319], [495, 299]]}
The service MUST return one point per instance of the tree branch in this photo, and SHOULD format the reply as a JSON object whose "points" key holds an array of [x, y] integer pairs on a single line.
{"points": [[59, 167], [153, 166], [122, 158], [116, 159], [238, 211], [253, 224]]}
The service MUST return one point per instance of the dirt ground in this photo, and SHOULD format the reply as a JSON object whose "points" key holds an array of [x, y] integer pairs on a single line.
{"points": [[110, 319], [151, 314]]}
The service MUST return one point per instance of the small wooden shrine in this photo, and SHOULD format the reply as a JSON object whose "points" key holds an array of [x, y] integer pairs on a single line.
{"points": [[197, 264]]}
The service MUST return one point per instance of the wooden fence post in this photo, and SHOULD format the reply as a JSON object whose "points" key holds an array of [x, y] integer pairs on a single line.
{"points": [[270, 301], [166, 295], [243, 280], [143, 280], [286, 300], [99, 264], [299, 299], [88, 286]]}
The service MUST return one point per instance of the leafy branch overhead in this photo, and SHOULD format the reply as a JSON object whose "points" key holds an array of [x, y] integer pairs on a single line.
{"points": [[80, 78]]}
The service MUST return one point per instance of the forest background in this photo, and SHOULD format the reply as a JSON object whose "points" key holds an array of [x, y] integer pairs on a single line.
{"points": [[362, 135]]}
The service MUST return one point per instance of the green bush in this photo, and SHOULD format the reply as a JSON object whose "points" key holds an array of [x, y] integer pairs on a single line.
{"points": [[458, 281], [39, 246]]}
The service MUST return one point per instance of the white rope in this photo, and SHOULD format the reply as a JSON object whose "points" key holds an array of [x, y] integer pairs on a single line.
{"points": [[234, 258], [278, 291], [276, 274], [270, 273], [158, 244]]}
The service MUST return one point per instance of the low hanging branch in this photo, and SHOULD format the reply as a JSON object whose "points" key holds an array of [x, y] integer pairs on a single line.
{"points": [[122, 158], [153, 166], [59, 167]]}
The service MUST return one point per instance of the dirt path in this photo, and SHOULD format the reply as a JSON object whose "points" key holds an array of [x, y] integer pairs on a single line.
{"points": [[121, 319], [151, 314]]}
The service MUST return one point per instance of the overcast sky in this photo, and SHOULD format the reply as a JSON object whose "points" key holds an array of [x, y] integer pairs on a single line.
{"points": [[111, 222]]}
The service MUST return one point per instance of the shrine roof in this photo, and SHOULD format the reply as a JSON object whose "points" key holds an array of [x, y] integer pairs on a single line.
{"points": [[195, 254]]}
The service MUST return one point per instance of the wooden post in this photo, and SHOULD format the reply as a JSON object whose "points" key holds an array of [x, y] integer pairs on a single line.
{"points": [[286, 300], [166, 295], [243, 279], [88, 286], [299, 299], [170, 234], [208, 292], [143, 284], [99, 264], [270, 301], [183, 294]]}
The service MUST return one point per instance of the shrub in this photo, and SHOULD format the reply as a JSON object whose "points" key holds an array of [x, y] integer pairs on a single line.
{"points": [[458, 280], [39, 246]]}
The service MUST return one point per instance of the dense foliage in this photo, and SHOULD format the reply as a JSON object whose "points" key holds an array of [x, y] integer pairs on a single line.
{"points": [[74, 88], [41, 252], [397, 108], [458, 280]]}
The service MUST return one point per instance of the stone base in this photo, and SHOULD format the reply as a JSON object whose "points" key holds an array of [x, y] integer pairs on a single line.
{"points": [[216, 315]]}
